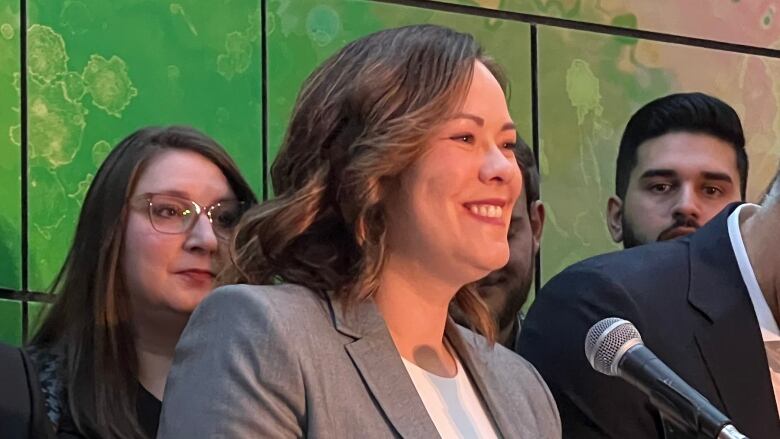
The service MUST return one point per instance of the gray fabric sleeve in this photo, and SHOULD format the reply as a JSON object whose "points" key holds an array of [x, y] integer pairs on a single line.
{"points": [[235, 373]]}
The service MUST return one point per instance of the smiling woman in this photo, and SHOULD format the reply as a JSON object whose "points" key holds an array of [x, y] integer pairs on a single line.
{"points": [[144, 255], [395, 185]]}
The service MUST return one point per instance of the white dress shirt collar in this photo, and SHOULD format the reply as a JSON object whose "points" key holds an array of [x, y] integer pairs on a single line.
{"points": [[769, 329]]}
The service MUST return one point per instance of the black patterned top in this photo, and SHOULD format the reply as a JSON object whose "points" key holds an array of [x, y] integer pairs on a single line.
{"points": [[49, 365]]}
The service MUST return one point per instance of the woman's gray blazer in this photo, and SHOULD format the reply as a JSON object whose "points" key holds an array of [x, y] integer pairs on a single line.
{"points": [[284, 362]]}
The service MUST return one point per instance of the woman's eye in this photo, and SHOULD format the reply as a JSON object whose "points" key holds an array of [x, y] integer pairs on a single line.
{"points": [[167, 211], [466, 138], [510, 145]]}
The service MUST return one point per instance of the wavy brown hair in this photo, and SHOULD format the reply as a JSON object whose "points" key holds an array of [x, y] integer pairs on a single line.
{"points": [[90, 323], [360, 120]]}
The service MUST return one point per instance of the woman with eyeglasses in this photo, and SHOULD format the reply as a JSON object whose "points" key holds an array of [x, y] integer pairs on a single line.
{"points": [[395, 185], [149, 242]]}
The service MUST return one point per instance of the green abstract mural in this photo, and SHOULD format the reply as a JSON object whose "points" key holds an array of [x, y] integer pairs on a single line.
{"points": [[98, 70], [10, 147], [303, 33], [748, 22], [35, 313], [10, 321]]}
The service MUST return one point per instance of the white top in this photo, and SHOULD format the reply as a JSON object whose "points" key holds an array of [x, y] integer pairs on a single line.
{"points": [[770, 333], [452, 403]]}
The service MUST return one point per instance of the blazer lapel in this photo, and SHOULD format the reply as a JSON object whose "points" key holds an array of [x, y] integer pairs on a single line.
{"points": [[484, 381], [382, 369], [730, 339]]}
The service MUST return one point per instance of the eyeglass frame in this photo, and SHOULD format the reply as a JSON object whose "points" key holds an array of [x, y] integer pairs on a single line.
{"points": [[147, 199]]}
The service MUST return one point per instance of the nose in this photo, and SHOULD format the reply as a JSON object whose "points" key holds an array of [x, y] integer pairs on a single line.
{"points": [[499, 167], [201, 238], [687, 204]]}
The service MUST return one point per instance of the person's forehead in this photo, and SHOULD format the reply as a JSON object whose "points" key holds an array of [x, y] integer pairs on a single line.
{"points": [[183, 172], [687, 154], [483, 94]]}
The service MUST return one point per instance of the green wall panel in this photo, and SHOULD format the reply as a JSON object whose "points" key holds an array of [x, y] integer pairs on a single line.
{"points": [[98, 70], [749, 22], [10, 149], [34, 310], [10, 321], [590, 84], [303, 33]]}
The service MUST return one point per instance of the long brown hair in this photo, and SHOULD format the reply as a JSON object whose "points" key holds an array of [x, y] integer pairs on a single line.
{"points": [[90, 321], [360, 119]]}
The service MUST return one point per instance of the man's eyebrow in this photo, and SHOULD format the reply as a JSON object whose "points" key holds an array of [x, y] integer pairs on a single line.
{"points": [[650, 173], [708, 175], [719, 176]]}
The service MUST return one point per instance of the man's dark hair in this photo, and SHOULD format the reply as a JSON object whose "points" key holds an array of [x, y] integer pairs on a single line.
{"points": [[682, 112], [527, 162]]}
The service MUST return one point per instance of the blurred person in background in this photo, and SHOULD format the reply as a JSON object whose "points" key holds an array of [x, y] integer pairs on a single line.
{"points": [[150, 239]]}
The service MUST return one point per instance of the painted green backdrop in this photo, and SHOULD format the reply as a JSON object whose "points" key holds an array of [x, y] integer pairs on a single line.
{"points": [[10, 170], [96, 70]]}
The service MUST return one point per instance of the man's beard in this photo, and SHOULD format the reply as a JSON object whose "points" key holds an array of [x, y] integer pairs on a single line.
{"points": [[519, 296], [631, 240]]}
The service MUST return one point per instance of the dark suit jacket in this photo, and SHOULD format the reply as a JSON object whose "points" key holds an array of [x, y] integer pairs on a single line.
{"points": [[21, 405], [688, 300]]}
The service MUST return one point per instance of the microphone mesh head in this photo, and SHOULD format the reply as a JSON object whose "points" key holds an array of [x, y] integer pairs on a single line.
{"points": [[607, 341]]}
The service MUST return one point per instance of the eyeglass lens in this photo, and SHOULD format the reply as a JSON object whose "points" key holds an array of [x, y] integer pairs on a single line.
{"points": [[169, 214]]}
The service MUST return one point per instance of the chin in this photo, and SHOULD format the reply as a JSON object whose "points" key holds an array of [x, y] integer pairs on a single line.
{"points": [[470, 267], [185, 307], [497, 261], [189, 300], [483, 270]]}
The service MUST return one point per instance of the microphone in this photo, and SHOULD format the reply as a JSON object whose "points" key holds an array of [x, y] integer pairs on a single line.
{"points": [[614, 347]]}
